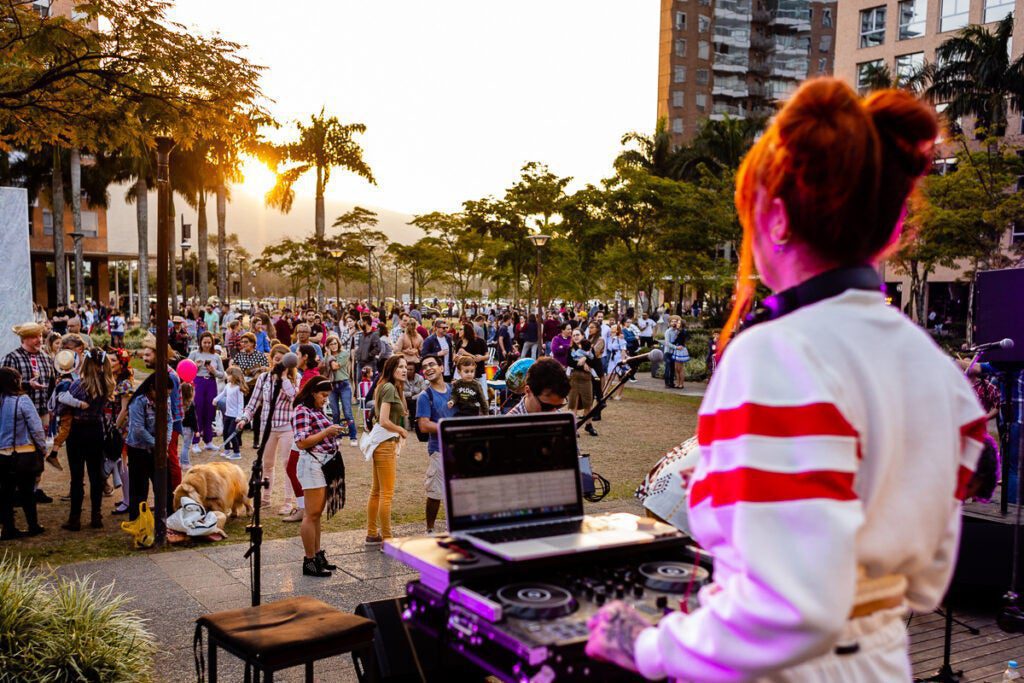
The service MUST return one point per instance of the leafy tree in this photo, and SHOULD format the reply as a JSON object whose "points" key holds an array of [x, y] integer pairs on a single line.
{"points": [[421, 260], [464, 250], [651, 153], [505, 223], [959, 216], [294, 261], [359, 236]]}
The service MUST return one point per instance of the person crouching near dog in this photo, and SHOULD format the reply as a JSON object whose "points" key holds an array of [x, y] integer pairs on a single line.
{"points": [[317, 439], [141, 442]]}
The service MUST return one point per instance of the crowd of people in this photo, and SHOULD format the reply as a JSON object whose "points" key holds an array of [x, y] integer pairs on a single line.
{"points": [[359, 369]]}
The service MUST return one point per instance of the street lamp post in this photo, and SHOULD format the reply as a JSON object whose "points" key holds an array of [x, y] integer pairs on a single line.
{"points": [[165, 242], [185, 246], [337, 254], [79, 279], [539, 241], [369, 276]]}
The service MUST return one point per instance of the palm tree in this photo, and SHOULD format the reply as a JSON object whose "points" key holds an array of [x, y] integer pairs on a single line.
{"points": [[722, 144], [323, 145], [975, 77], [652, 153]]}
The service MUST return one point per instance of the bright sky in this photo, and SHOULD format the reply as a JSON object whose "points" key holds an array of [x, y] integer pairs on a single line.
{"points": [[456, 94]]}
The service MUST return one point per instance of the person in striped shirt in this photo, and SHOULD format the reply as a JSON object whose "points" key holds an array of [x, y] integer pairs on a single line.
{"points": [[837, 440]]}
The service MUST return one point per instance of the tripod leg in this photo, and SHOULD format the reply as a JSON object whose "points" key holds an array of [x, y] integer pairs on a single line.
{"points": [[945, 674], [970, 629]]}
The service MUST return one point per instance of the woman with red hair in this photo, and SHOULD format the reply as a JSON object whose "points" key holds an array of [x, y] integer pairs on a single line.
{"points": [[836, 438]]}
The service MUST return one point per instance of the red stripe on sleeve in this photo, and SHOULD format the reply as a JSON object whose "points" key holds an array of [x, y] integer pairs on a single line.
{"points": [[963, 478], [976, 430], [750, 485], [812, 419]]}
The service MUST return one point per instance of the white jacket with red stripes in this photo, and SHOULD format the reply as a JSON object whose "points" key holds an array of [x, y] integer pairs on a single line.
{"points": [[835, 436]]}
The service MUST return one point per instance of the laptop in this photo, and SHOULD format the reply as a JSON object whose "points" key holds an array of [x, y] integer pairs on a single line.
{"points": [[512, 489]]}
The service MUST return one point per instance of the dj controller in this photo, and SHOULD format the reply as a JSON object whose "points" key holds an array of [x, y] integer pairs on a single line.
{"points": [[530, 626]]}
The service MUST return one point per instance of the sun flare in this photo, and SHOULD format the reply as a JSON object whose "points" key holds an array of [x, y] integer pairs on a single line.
{"points": [[257, 179]]}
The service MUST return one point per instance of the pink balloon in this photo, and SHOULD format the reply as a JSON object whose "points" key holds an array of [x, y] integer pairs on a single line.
{"points": [[187, 370]]}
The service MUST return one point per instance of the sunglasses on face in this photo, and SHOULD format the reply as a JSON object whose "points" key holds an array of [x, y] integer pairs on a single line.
{"points": [[549, 407]]}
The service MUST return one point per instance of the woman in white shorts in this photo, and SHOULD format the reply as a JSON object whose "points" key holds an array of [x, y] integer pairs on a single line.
{"points": [[316, 437]]}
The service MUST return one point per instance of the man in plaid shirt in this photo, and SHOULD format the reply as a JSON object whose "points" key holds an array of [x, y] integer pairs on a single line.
{"points": [[36, 368]]}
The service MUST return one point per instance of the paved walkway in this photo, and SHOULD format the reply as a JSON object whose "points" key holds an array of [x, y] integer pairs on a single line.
{"points": [[647, 383], [172, 589]]}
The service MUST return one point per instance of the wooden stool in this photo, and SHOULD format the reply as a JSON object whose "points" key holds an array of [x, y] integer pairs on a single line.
{"points": [[283, 634]]}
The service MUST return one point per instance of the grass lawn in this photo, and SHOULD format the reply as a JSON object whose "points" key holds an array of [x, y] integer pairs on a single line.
{"points": [[634, 433]]}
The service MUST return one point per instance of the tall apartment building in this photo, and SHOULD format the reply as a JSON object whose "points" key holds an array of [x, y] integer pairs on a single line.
{"points": [[737, 58]]}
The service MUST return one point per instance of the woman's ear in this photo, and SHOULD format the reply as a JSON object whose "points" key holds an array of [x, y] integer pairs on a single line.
{"points": [[777, 221]]}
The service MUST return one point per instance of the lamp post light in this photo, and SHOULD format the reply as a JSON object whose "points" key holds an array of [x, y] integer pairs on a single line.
{"points": [[539, 241], [79, 279], [185, 246]]}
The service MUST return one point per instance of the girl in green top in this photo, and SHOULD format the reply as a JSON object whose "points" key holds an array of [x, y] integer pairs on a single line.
{"points": [[389, 407], [338, 369]]}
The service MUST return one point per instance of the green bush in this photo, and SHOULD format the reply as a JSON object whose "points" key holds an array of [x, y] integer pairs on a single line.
{"points": [[100, 339], [133, 338], [56, 629]]}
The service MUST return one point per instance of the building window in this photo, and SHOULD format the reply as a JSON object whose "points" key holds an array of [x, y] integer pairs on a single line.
{"points": [[864, 70], [997, 10], [825, 44], [680, 21], [702, 102], [872, 26], [823, 65], [908, 65], [826, 17], [704, 50], [1017, 234], [677, 98], [703, 24], [954, 14], [90, 224], [679, 75], [702, 76], [677, 126], [912, 17], [680, 47], [47, 222], [42, 8], [704, 3]]}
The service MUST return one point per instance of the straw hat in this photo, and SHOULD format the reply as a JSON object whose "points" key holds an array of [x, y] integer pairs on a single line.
{"points": [[149, 342], [178, 320], [64, 361], [32, 329]]}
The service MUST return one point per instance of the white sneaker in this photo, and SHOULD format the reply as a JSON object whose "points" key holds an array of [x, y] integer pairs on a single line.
{"points": [[231, 455], [196, 448], [353, 443], [210, 447]]}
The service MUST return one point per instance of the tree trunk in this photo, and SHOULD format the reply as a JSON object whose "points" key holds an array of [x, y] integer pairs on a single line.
{"points": [[222, 239], [318, 219], [142, 228], [922, 295], [57, 213], [76, 220], [969, 332], [203, 248]]}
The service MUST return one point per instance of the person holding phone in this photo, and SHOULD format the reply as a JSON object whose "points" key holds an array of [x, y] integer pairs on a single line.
{"points": [[211, 368]]}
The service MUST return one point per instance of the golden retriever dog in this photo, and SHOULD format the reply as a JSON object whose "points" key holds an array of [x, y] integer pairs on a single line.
{"points": [[217, 486]]}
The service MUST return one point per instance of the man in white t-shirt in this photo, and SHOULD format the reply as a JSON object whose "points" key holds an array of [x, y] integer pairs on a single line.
{"points": [[646, 327]]}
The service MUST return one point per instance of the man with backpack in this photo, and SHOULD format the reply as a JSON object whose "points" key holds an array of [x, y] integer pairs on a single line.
{"points": [[431, 406]]}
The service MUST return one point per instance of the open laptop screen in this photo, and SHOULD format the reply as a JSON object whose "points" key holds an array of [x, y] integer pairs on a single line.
{"points": [[507, 470]]}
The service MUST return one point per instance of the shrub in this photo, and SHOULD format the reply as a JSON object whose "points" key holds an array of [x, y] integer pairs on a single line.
{"points": [[56, 629], [133, 338], [100, 340]]}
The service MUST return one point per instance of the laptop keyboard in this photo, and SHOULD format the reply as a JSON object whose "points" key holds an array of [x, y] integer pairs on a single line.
{"points": [[525, 533]]}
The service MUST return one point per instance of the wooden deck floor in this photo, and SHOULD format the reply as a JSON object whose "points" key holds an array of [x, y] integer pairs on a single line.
{"points": [[982, 657]]}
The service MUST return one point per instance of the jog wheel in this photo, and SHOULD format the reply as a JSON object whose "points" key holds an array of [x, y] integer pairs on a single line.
{"points": [[673, 577], [535, 601]]}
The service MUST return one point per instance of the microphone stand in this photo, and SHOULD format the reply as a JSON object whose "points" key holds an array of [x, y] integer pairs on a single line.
{"points": [[257, 482]]}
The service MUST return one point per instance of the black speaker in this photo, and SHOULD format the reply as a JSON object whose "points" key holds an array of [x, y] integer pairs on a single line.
{"points": [[402, 654], [999, 312]]}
